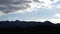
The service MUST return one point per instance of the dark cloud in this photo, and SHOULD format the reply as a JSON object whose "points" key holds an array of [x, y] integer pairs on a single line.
{"points": [[6, 2], [38, 1], [8, 6], [51, 0], [21, 2]]}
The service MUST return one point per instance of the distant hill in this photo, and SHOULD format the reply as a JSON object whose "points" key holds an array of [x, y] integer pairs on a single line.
{"points": [[25, 26]]}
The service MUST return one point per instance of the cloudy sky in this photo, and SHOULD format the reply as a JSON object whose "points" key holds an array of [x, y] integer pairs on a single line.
{"points": [[30, 10]]}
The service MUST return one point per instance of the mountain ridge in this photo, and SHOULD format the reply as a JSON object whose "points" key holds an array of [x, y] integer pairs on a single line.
{"points": [[28, 27]]}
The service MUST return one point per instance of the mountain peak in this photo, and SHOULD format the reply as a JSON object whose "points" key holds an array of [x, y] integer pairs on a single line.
{"points": [[48, 22]]}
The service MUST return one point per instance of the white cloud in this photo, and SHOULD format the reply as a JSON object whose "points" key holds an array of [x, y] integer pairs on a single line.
{"points": [[40, 3], [47, 3], [58, 6], [57, 15]]}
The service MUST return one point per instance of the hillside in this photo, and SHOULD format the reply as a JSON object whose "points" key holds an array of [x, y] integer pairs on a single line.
{"points": [[24, 27]]}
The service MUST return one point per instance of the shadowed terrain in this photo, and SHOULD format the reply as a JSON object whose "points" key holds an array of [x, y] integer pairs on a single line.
{"points": [[28, 27]]}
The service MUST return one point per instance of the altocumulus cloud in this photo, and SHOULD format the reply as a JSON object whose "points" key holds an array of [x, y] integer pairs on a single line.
{"points": [[11, 6], [18, 6]]}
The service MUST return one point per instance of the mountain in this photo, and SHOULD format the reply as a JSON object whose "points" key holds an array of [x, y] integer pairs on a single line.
{"points": [[23, 24], [28, 27]]}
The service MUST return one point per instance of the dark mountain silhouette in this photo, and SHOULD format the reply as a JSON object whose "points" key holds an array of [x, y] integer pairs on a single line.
{"points": [[28, 26], [47, 23]]}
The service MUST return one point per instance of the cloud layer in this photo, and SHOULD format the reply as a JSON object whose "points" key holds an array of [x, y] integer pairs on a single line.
{"points": [[18, 6], [9, 6]]}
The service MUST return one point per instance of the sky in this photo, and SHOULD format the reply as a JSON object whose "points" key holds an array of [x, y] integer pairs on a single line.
{"points": [[30, 10]]}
